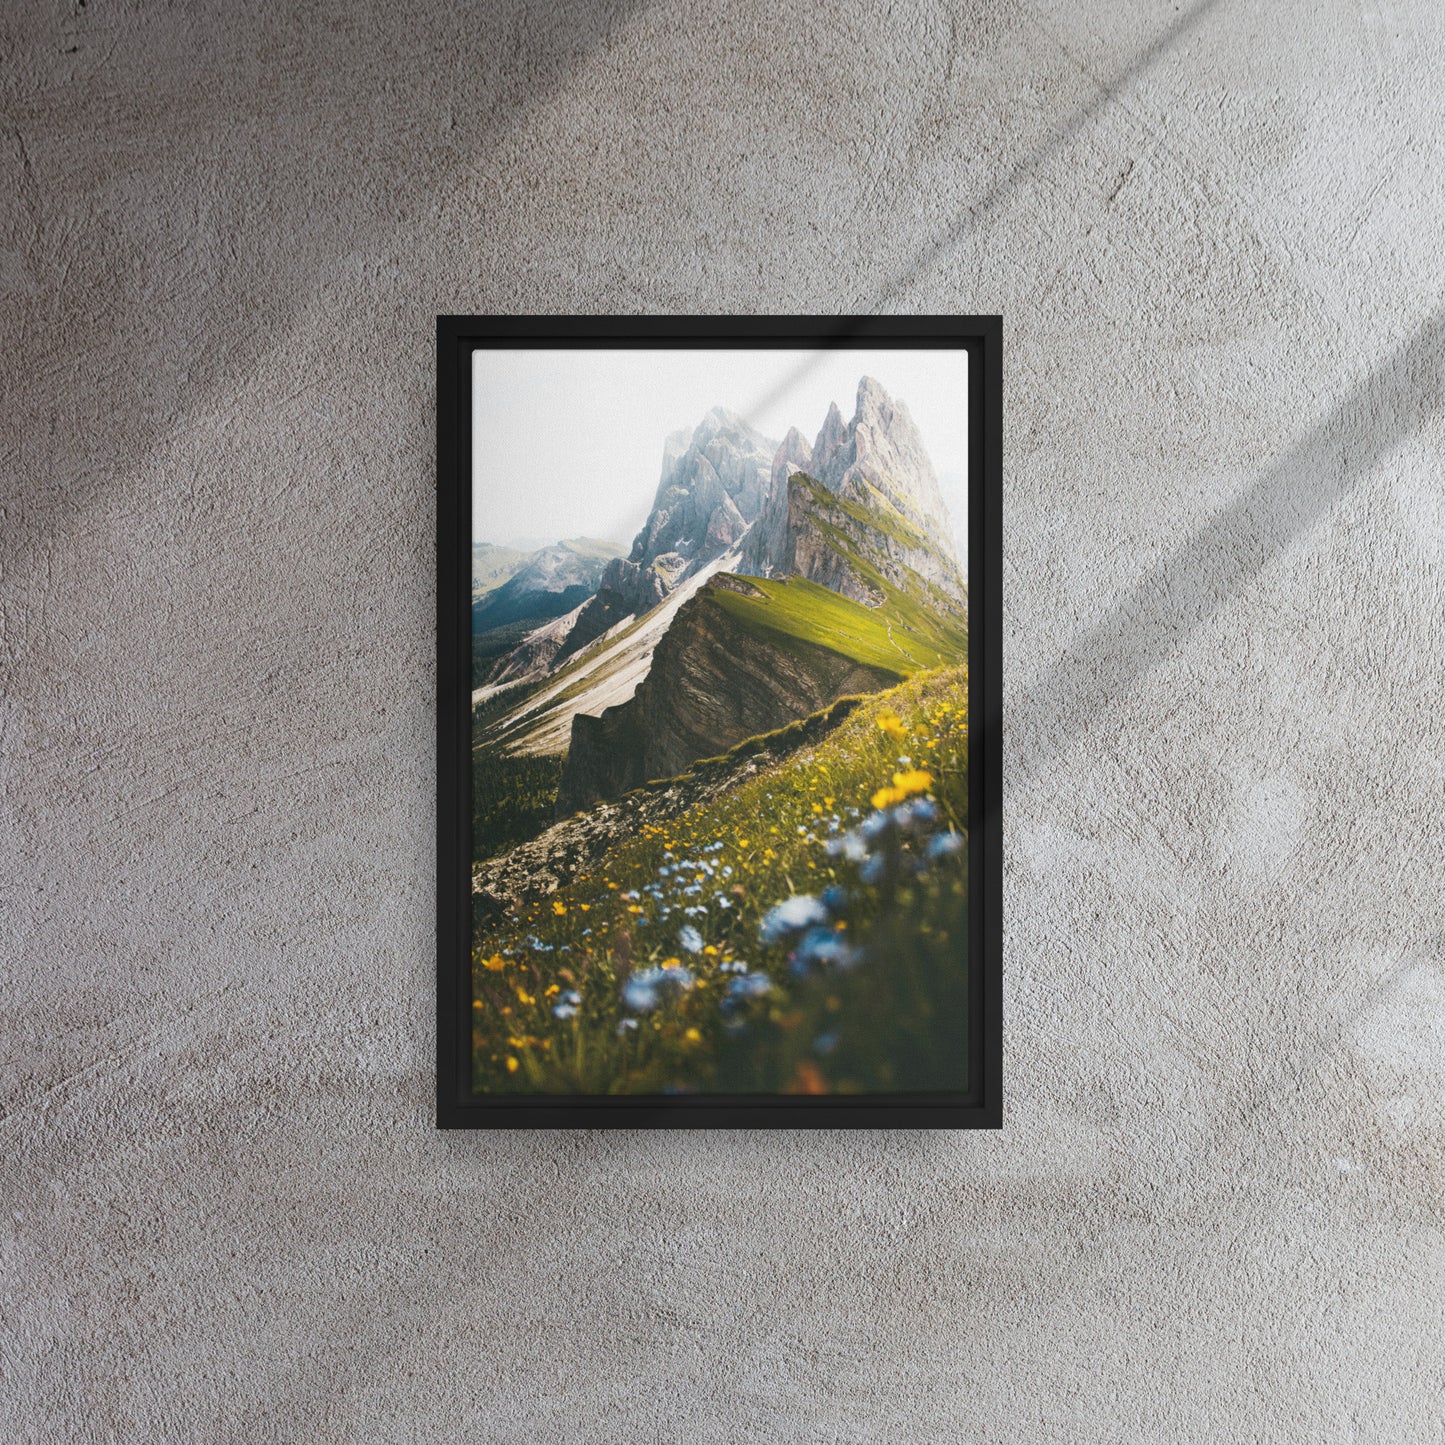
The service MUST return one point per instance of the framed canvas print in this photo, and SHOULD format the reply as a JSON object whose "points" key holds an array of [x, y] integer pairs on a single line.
{"points": [[718, 721]]}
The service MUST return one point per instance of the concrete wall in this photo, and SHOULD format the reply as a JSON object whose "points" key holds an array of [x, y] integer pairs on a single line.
{"points": [[1213, 230]]}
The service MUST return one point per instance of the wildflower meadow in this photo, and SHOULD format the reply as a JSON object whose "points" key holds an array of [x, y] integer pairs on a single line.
{"points": [[803, 933]]}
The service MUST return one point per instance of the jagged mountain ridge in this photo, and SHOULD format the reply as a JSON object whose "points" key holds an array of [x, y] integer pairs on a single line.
{"points": [[879, 476], [713, 683], [713, 484], [858, 585]]}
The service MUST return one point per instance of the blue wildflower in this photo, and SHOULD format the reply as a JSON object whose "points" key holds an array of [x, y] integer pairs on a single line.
{"points": [[741, 990], [873, 825], [914, 812], [821, 946], [752, 985], [851, 846], [644, 990], [802, 910], [690, 938], [944, 845], [835, 898]]}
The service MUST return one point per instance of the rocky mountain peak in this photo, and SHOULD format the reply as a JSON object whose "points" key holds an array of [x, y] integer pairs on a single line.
{"points": [[881, 448], [793, 455], [877, 461], [714, 481], [709, 490]]}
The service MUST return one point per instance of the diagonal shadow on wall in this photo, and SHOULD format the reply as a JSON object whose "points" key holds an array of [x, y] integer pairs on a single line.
{"points": [[1180, 594], [155, 288], [1054, 141]]}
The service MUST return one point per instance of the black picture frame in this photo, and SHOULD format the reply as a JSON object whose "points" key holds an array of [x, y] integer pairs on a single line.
{"points": [[981, 1106]]}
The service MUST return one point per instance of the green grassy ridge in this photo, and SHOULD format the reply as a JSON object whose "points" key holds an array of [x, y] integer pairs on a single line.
{"points": [[896, 1015], [795, 609], [492, 565], [883, 518], [926, 609], [927, 606]]}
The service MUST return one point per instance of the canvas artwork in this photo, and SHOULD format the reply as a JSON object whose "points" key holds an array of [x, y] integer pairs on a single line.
{"points": [[719, 723]]}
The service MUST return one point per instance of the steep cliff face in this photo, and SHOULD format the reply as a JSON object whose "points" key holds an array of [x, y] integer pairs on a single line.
{"points": [[714, 682], [859, 544], [881, 448], [714, 482], [872, 482]]}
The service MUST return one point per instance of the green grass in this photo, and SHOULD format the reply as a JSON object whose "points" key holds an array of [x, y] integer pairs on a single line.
{"points": [[893, 1021], [899, 636]]}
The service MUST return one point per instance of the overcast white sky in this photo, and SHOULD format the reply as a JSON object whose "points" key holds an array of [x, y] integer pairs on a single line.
{"points": [[569, 443]]}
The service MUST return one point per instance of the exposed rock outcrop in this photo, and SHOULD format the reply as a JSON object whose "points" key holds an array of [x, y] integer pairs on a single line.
{"points": [[875, 463], [712, 684], [571, 847], [713, 484]]}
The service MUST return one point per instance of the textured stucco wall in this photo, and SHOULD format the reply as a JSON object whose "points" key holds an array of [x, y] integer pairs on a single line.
{"points": [[1213, 230]]}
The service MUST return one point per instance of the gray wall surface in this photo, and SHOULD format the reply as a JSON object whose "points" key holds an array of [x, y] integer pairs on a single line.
{"points": [[1213, 230]]}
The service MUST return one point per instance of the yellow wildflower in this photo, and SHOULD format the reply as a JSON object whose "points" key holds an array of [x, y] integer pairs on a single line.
{"points": [[892, 725], [511, 1064], [693, 1037], [558, 907], [915, 780], [496, 963], [523, 996]]}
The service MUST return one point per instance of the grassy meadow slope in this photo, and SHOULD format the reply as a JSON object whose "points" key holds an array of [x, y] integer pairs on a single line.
{"points": [[752, 942], [900, 635]]}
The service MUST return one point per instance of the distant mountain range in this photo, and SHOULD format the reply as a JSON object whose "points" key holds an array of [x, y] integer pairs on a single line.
{"points": [[770, 578], [513, 593]]}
